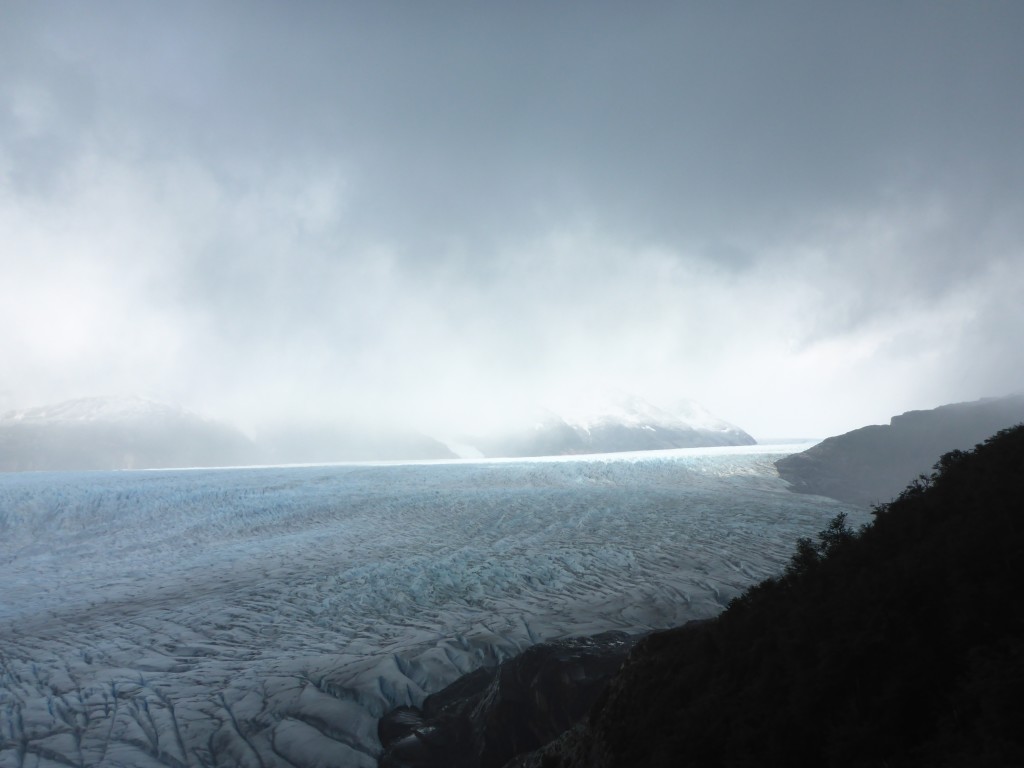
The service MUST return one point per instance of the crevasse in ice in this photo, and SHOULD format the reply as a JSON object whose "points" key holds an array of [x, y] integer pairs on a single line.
{"points": [[269, 616]]}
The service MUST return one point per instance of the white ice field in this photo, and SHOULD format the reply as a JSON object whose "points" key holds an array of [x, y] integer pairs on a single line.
{"points": [[269, 616]]}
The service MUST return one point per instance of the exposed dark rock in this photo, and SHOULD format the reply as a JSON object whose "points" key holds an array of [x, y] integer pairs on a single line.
{"points": [[872, 464], [488, 717]]}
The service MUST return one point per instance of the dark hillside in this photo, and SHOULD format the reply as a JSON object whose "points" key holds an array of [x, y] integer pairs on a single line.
{"points": [[899, 645], [872, 464]]}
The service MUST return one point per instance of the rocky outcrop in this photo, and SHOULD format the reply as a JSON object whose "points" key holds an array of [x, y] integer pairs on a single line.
{"points": [[492, 715], [872, 464]]}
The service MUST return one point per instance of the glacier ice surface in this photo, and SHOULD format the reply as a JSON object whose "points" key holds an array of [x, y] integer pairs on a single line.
{"points": [[269, 616]]}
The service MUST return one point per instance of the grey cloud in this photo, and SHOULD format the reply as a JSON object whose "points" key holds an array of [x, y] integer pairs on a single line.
{"points": [[353, 201], [654, 121]]}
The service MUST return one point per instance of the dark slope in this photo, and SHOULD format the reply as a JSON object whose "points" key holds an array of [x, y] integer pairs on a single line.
{"points": [[488, 716], [872, 464], [902, 645]]}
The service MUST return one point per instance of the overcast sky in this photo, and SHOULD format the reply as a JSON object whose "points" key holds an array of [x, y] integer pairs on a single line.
{"points": [[807, 216]]}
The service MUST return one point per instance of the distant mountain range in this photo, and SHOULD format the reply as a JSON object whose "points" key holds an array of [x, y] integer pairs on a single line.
{"points": [[872, 464], [136, 432], [117, 433], [610, 421], [865, 466]]}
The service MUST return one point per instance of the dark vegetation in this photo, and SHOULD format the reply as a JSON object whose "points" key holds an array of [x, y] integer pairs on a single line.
{"points": [[901, 644], [487, 717]]}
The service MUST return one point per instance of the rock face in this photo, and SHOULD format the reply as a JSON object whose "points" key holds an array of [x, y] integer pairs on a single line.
{"points": [[117, 433], [872, 464], [490, 716], [611, 421]]}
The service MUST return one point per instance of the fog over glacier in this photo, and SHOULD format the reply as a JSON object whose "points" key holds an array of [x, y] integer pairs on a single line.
{"points": [[268, 616]]}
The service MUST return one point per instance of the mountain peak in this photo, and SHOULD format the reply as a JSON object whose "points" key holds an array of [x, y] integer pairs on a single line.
{"points": [[601, 420], [116, 433], [595, 407]]}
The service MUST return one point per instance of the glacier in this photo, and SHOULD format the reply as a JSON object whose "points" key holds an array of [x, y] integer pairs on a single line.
{"points": [[269, 616]]}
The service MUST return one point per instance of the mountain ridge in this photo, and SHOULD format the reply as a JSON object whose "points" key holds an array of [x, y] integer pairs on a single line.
{"points": [[897, 644], [873, 463], [135, 432], [117, 432], [611, 421]]}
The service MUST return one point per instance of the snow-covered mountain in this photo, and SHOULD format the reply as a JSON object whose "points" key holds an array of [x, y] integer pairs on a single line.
{"points": [[141, 433], [610, 421], [117, 433]]}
